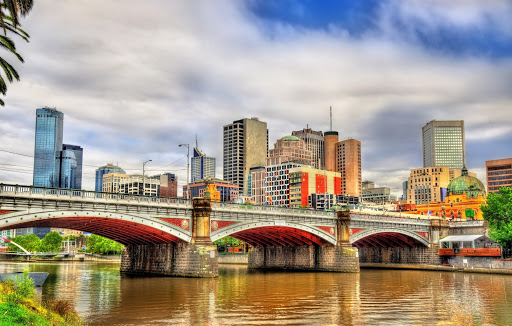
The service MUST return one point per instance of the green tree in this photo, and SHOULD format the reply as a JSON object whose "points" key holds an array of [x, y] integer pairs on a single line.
{"points": [[100, 245], [31, 242], [52, 242], [10, 13], [498, 212]]}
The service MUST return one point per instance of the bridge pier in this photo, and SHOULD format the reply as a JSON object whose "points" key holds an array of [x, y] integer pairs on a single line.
{"points": [[341, 257], [198, 258]]}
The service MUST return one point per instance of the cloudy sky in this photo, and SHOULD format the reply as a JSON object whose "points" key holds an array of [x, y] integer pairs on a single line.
{"points": [[136, 78]]}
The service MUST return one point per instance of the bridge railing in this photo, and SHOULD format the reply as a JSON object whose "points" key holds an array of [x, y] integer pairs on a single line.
{"points": [[86, 194], [466, 223], [273, 209]]}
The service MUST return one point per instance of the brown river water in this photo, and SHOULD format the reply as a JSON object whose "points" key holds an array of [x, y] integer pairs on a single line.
{"points": [[103, 296]]}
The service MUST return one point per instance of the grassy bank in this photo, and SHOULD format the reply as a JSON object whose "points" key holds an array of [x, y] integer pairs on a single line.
{"points": [[19, 306]]}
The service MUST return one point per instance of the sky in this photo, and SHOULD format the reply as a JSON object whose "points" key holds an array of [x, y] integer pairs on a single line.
{"points": [[135, 79]]}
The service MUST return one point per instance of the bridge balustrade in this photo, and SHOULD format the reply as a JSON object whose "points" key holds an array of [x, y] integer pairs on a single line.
{"points": [[87, 194]]}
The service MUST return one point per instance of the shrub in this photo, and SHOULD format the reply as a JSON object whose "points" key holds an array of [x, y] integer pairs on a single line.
{"points": [[22, 288]]}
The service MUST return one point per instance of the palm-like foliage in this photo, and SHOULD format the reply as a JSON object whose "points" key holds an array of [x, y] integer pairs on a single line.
{"points": [[10, 13]]}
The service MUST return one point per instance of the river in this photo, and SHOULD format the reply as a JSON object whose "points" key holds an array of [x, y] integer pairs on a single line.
{"points": [[103, 296]]}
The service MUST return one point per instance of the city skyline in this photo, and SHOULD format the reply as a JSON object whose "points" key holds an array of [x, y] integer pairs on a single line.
{"points": [[126, 102]]}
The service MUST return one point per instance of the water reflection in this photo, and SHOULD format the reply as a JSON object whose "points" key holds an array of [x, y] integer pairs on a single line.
{"points": [[373, 297]]}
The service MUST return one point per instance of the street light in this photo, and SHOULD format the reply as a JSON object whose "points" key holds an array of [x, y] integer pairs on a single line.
{"points": [[188, 165], [143, 177]]}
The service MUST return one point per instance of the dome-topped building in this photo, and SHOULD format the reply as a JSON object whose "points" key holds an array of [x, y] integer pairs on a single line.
{"points": [[290, 149], [464, 196], [467, 184]]}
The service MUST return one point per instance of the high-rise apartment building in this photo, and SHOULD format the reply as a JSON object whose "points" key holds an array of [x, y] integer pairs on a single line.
{"points": [[102, 171], [315, 143], [289, 149], [48, 144], [202, 166], [499, 174], [245, 145], [348, 154], [444, 144]]}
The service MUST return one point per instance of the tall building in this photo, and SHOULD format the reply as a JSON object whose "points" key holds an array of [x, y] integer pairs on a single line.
{"points": [[245, 145], [79, 154], [48, 144], [499, 174], [444, 144], [56, 165], [330, 140], [315, 143], [348, 154], [289, 149], [102, 171], [202, 166], [277, 184]]}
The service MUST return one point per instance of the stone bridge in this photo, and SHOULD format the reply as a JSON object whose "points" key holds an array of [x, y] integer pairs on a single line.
{"points": [[173, 236]]}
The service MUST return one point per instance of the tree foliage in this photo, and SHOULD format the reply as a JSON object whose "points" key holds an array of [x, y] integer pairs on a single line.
{"points": [[10, 13], [232, 242], [52, 242], [100, 245], [498, 213]]}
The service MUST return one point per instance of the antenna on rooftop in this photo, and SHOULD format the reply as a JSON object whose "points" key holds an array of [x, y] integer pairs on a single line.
{"points": [[196, 142], [330, 120]]}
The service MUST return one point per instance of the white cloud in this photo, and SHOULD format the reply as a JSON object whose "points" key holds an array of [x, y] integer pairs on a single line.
{"points": [[135, 79]]}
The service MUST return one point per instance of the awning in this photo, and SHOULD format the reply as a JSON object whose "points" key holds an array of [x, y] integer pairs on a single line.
{"points": [[456, 238]]}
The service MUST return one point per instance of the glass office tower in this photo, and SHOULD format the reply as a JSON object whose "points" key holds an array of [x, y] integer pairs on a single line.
{"points": [[48, 143], [77, 173]]}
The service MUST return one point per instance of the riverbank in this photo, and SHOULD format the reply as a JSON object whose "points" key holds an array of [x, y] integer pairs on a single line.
{"points": [[76, 258], [436, 268], [495, 267]]}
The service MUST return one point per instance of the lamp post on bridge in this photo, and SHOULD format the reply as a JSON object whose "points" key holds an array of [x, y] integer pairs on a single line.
{"points": [[144, 177], [188, 165]]}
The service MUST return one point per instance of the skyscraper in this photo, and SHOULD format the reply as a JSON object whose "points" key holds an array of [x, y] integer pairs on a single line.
{"points": [[289, 149], [79, 154], [48, 144], [315, 143], [105, 169], [348, 153], [56, 165], [201, 166], [245, 145], [444, 144]]}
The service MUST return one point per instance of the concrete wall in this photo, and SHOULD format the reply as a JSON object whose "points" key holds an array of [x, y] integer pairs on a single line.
{"points": [[314, 258], [241, 259], [399, 255], [479, 262], [182, 259]]}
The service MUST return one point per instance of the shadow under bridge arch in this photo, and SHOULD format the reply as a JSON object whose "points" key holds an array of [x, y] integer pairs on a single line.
{"points": [[275, 234], [124, 228], [388, 238]]}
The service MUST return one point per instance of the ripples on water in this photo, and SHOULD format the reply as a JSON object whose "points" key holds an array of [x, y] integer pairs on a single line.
{"points": [[241, 297]]}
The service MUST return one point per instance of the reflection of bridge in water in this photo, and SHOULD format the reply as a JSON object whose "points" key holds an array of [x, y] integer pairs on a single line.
{"points": [[174, 236]]}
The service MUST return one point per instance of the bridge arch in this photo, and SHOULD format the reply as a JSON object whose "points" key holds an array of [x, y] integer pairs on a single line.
{"points": [[275, 234], [126, 229], [388, 238]]}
